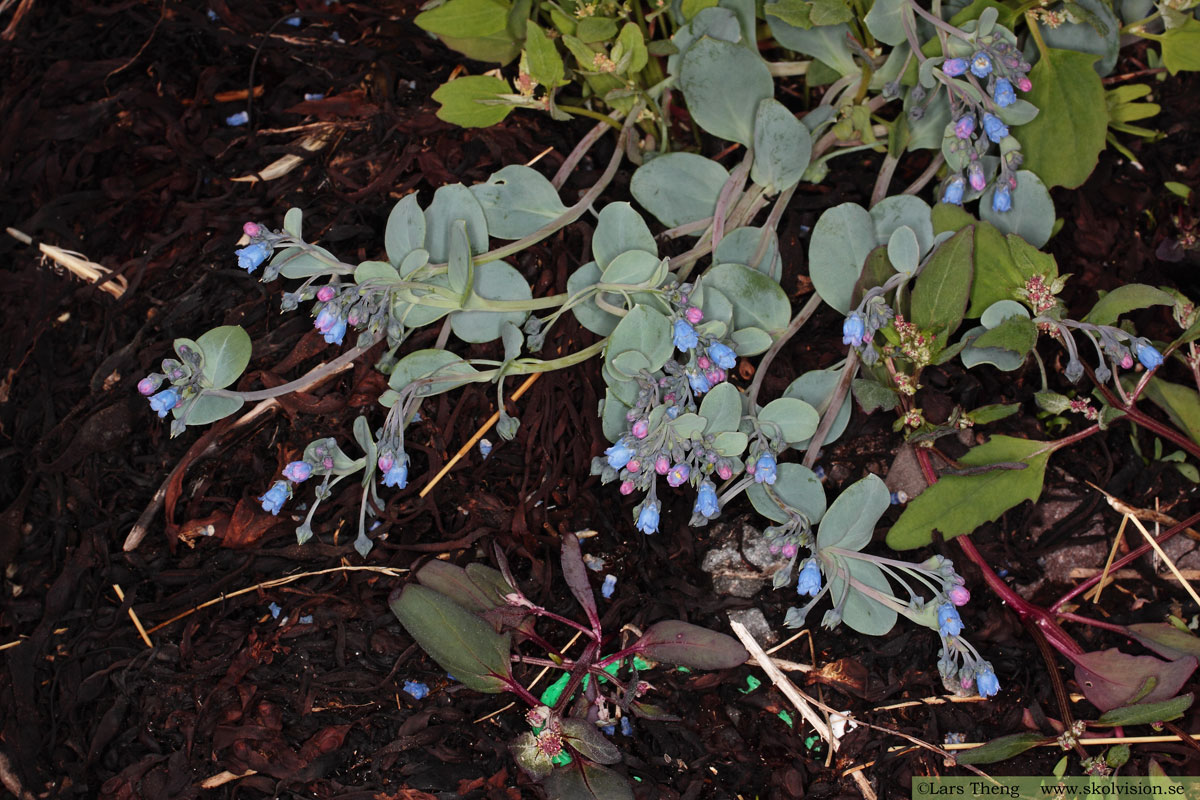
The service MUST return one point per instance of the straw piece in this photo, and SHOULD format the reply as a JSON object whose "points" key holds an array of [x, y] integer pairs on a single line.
{"points": [[484, 428], [785, 685], [392, 571], [137, 623]]}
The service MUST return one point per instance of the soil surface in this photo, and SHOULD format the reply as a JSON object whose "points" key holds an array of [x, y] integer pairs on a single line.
{"points": [[114, 144]]}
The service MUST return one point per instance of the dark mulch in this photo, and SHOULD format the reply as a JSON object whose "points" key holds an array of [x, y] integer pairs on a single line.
{"points": [[113, 143]]}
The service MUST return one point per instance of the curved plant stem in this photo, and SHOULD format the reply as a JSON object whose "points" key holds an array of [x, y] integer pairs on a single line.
{"points": [[835, 403], [309, 378], [792, 329]]}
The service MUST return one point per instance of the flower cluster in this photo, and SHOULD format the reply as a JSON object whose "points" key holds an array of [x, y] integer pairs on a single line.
{"points": [[861, 324], [993, 73], [653, 447], [295, 472], [184, 376], [252, 256]]}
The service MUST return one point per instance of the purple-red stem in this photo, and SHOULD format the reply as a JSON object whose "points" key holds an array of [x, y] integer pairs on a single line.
{"points": [[1035, 615]]}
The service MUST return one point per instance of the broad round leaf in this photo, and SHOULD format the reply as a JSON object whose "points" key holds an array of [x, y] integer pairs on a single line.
{"points": [[1032, 213], [782, 147], [208, 409], [405, 230], [494, 280], [899, 210], [620, 229], [841, 241], [722, 407], [794, 418], [517, 200], [679, 188], [903, 250], [851, 520], [723, 84], [432, 363], [816, 388], [740, 245], [758, 301], [861, 612], [645, 331], [590, 315], [795, 485], [450, 203], [226, 353]]}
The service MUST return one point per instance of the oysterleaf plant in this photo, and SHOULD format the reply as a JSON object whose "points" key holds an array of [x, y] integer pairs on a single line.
{"points": [[992, 89]]}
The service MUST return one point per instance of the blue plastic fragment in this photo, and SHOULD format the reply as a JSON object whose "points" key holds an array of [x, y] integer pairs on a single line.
{"points": [[240, 118], [417, 689]]}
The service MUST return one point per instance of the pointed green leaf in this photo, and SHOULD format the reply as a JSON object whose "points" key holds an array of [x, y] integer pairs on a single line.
{"points": [[940, 294], [959, 504], [473, 101]]}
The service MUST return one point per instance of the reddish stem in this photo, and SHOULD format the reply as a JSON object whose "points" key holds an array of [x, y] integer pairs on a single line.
{"points": [[1030, 613]]}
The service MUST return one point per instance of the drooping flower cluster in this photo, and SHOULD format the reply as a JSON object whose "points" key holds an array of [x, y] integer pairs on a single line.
{"points": [[1113, 346], [653, 447], [992, 74], [185, 378], [860, 326], [295, 472]]}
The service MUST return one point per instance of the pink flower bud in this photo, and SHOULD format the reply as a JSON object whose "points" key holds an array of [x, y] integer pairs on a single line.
{"points": [[703, 362], [1024, 84], [724, 471], [634, 465], [1127, 361], [251, 229], [774, 549], [693, 315], [959, 595], [641, 429], [627, 487], [715, 375], [147, 386], [327, 462], [325, 294], [386, 460], [789, 550], [661, 465]]}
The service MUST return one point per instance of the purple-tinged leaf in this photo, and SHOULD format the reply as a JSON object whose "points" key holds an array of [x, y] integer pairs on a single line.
{"points": [[460, 642], [648, 711], [1110, 678], [1165, 639], [688, 645], [589, 742], [491, 582], [1147, 713], [586, 781], [529, 756], [1001, 749], [453, 582], [576, 575]]}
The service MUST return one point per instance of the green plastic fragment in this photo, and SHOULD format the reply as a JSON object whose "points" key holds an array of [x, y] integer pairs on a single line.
{"points": [[636, 778], [682, 669], [554, 691], [751, 682], [562, 759], [640, 664], [786, 717], [811, 741]]}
